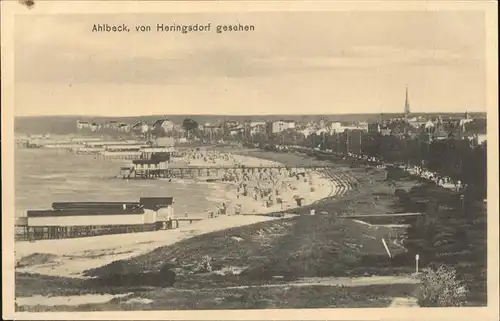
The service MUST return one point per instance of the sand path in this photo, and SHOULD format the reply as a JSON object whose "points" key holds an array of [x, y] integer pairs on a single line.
{"points": [[404, 303], [339, 281], [319, 281]]}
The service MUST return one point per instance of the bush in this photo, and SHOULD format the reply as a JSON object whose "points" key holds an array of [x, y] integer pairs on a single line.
{"points": [[167, 276], [205, 265], [440, 288]]}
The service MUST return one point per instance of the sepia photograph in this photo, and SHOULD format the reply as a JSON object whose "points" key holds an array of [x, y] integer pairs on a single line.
{"points": [[237, 159]]}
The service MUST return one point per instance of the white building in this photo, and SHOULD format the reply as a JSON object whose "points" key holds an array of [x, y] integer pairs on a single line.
{"points": [[236, 130], [82, 124], [95, 127], [280, 125], [429, 125], [362, 127], [481, 138], [290, 123], [123, 128], [69, 218], [335, 127], [256, 127], [113, 124], [307, 131], [140, 127], [338, 127], [148, 210]]}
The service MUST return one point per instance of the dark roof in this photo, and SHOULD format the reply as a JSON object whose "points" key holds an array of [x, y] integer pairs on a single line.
{"points": [[161, 157], [154, 203], [84, 212], [160, 121], [93, 205], [123, 148], [145, 161]]}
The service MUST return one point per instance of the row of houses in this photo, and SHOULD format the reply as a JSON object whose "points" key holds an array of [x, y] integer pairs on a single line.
{"points": [[437, 128], [138, 127], [168, 126], [253, 128]]}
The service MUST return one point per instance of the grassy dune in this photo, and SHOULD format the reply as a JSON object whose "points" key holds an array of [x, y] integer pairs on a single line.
{"points": [[298, 247]]}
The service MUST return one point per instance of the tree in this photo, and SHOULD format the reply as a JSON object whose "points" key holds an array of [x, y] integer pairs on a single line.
{"points": [[158, 131], [189, 125]]}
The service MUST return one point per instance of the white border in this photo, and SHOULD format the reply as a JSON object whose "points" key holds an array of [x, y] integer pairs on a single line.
{"points": [[10, 8]]}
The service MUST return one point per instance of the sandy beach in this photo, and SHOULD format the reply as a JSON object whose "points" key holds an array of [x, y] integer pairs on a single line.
{"points": [[257, 192]]}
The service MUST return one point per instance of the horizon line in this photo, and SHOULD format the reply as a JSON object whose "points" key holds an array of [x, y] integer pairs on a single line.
{"points": [[249, 115]]}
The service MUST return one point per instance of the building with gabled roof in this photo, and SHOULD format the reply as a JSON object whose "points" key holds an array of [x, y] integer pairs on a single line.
{"points": [[165, 124]]}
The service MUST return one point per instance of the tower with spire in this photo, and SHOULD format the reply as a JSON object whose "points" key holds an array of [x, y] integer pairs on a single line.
{"points": [[407, 105]]}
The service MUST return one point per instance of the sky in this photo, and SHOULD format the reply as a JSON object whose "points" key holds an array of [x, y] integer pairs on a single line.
{"points": [[292, 63]]}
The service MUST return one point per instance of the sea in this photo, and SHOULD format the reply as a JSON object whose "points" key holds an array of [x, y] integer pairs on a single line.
{"points": [[44, 176]]}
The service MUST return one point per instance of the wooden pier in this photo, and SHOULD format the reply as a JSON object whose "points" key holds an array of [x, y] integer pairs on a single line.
{"points": [[209, 171], [24, 232]]}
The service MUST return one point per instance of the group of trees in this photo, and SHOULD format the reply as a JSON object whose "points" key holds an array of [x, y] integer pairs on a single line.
{"points": [[452, 232]]}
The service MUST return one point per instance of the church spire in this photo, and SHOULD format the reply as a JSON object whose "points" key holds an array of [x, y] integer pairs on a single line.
{"points": [[407, 105]]}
